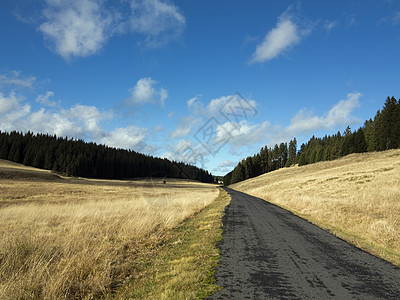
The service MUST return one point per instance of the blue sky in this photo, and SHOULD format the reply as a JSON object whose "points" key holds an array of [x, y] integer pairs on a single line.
{"points": [[205, 82]]}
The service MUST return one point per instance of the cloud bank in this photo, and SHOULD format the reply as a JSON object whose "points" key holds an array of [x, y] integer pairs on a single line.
{"points": [[80, 28], [186, 142], [339, 115], [78, 121]]}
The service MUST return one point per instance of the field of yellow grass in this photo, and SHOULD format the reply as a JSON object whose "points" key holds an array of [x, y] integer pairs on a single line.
{"points": [[356, 197], [65, 238]]}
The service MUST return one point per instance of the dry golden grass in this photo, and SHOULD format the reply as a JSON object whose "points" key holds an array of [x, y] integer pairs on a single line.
{"points": [[356, 197], [76, 238], [184, 267]]}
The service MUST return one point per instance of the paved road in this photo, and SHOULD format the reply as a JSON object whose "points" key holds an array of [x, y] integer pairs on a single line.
{"points": [[269, 253]]}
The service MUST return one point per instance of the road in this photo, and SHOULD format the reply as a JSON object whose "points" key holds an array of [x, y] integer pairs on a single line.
{"points": [[269, 253]]}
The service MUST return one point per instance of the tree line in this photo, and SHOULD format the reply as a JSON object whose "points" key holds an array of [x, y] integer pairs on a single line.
{"points": [[79, 158], [378, 134]]}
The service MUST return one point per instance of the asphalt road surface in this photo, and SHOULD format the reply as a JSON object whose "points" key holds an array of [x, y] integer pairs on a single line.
{"points": [[269, 253]]}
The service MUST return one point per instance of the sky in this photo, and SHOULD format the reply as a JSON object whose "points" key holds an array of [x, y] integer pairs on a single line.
{"points": [[204, 82]]}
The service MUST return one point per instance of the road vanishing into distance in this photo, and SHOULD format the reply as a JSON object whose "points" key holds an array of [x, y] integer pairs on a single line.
{"points": [[269, 253]]}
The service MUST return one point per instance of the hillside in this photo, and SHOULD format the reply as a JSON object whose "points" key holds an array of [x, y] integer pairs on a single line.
{"points": [[356, 197], [378, 134], [79, 158], [78, 238], [15, 171]]}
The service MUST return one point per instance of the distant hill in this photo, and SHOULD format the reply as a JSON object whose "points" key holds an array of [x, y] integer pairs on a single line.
{"points": [[78, 158], [381, 133], [356, 197], [15, 171]]}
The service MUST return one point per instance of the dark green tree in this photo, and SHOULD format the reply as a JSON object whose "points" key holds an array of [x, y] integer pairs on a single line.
{"points": [[292, 152], [238, 173]]}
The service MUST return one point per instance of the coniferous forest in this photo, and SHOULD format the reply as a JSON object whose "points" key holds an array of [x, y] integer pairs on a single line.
{"points": [[378, 134], [78, 158]]}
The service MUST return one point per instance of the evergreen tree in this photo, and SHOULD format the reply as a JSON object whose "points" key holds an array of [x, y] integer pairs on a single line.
{"points": [[360, 144], [227, 179], [238, 174], [292, 152], [264, 159], [283, 154], [386, 121], [347, 142], [248, 168], [369, 134], [257, 168], [77, 158]]}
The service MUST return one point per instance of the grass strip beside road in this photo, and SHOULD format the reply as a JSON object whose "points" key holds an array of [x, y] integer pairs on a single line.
{"points": [[183, 265]]}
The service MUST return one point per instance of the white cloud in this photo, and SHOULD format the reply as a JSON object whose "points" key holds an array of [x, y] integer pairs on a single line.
{"points": [[144, 91], [80, 28], [177, 150], [180, 131], [186, 151], [195, 105], [226, 163], [224, 166], [232, 106], [88, 117], [45, 99], [158, 20], [9, 103], [284, 36], [14, 119], [246, 135], [21, 118], [75, 27], [79, 121], [339, 115], [54, 123], [185, 127], [242, 134], [15, 79], [130, 137], [329, 25], [216, 105]]}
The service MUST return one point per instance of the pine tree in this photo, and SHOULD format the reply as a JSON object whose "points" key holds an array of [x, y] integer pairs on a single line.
{"points": [[360, 144], [283, 154], [292, 152], [369, 134], [227, 179], [385, 125], [238, 174], [264, 159], [257, 168], [248, 168], [396, 125]]}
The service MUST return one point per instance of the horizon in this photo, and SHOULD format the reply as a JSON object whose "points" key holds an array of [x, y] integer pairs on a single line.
{"points": [[206, 83]]}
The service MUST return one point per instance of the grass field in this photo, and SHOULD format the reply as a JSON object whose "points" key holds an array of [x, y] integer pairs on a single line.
{"points": [[65, 238], [356, 197]]}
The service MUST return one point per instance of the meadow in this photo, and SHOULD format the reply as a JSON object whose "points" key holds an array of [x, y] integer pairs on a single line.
{"points": [[356, 198], [66, 238]]}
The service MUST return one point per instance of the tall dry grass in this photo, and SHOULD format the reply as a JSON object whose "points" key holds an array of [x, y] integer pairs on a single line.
{"points": [[76, 238], [356, 197]]}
